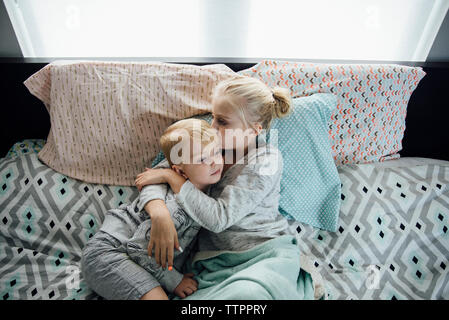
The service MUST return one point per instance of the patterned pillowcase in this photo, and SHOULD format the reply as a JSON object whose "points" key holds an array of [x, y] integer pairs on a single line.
{"points": [[310, 184], [369, 123], [106, 117]]}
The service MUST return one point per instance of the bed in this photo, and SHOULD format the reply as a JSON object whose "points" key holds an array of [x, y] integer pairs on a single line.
{"points": [[391, 242]]}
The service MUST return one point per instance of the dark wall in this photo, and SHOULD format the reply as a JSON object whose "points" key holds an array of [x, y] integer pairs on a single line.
{"points": [[9, 47]]}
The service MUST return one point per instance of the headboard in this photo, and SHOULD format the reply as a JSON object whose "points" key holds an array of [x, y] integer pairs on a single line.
{"points": [[427, 122]]}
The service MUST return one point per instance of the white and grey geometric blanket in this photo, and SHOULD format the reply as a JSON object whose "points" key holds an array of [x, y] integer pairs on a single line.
{"points": [[392, 242], [46, 219], [393, 238]]}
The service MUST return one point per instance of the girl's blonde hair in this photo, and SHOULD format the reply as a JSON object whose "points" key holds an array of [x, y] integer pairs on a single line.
{"points": [[259, 103]]}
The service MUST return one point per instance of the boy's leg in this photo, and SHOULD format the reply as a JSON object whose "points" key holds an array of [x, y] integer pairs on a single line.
{"points": [[110, 272], [155, 294]]}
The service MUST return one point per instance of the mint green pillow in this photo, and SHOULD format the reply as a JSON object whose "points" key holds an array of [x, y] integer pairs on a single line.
{"points": [[310, 184]]}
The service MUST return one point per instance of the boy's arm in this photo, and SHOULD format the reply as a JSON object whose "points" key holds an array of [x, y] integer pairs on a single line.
{"points": [[153, 192], [164, 237]]}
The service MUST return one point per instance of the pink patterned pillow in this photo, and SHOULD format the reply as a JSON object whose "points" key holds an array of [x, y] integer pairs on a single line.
{"points": [[369, 122], [107, 117]]}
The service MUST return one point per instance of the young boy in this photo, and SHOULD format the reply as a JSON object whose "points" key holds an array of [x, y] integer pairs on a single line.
{"points": [[192, 149], [201, 163]]}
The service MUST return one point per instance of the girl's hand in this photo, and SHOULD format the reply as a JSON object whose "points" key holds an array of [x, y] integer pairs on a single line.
{"points": [[163, 235], [150, 176]]}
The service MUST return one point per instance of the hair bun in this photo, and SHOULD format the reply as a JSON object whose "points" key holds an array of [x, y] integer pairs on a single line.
{"points": [[282, 102]]}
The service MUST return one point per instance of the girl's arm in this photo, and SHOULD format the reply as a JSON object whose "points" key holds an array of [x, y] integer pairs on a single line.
{"points": [[238, 199]]}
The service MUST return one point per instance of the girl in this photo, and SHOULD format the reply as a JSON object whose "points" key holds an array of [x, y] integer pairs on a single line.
{"points": [[242, 209]]}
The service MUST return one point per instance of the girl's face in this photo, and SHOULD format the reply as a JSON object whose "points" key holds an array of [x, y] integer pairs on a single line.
{"points": [[232, 130]]}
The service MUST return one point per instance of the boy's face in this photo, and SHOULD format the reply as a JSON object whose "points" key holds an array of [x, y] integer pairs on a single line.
{"points": [[206, 166], [234, 133]]}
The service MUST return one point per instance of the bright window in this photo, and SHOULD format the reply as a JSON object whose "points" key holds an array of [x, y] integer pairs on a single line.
{"points": [[393, 30]]}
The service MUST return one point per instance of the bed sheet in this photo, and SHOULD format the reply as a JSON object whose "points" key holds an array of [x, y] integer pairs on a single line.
{"points": [[46, 218], [393, 240], [391, 243]]}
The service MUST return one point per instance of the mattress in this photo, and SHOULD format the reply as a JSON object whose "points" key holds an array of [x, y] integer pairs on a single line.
{"points": [[391, 243]]}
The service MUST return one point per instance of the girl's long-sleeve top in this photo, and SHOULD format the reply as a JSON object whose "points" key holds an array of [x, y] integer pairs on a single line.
{"points": [[241, 210]]}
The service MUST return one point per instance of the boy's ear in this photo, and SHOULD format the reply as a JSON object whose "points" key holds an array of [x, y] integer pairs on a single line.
{"points": [[178, 170]]}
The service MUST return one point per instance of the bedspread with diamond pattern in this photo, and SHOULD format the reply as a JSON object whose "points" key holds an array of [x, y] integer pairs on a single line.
{"points": [[392, 240]]}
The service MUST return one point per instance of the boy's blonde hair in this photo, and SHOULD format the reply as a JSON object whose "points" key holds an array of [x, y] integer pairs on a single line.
{"points": [[195, 129], [260, 103]]}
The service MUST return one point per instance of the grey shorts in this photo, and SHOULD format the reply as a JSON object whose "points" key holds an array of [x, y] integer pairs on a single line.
{"points": [[109, 271]]}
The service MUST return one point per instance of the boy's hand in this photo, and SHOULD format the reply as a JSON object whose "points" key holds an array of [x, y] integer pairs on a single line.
{"points": [[187, 286], [150, 176]]}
